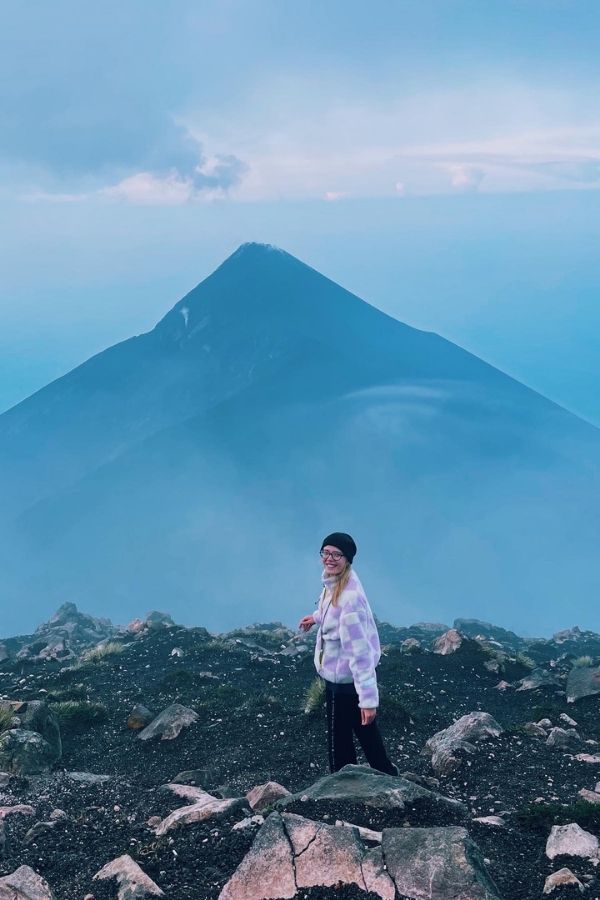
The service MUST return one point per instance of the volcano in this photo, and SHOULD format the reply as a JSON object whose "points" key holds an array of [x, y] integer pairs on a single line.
{"points": [[197, 466]]}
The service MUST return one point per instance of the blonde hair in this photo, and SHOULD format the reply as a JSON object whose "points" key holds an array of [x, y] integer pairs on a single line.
{"points": [[340, 585]]}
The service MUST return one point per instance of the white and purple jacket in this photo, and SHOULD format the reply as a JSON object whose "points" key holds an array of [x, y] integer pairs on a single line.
{"points": [[351, 648]]}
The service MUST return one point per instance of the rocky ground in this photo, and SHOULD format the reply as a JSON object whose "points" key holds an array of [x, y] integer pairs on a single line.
{"points": [[247, 724]]}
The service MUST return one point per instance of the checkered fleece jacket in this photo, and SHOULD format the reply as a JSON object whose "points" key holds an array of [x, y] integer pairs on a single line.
{"points": [[350, 640]]}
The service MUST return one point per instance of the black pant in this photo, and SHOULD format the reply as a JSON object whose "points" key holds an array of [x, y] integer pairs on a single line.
{"points": [[343, 718]]}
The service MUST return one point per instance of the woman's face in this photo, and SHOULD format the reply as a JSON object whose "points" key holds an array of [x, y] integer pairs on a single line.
{"points": [[332, 565]]}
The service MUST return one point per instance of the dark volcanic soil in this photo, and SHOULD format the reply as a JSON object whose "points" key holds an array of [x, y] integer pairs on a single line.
{"points": [[252, 728]]}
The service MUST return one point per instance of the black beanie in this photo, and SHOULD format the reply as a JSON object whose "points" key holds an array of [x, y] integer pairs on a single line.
{"points": [[343, 542]]}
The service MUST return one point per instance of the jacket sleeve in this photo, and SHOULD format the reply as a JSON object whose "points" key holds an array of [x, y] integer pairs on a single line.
{"points": [[356, 647]]}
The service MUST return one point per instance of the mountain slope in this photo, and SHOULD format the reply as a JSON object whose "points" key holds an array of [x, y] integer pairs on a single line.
{"points": [[205, 458]]}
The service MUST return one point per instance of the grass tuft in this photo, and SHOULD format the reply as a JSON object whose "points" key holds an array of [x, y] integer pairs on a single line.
{"points": [[5, 719], [314, 697], [79, 712], [582, 662]]}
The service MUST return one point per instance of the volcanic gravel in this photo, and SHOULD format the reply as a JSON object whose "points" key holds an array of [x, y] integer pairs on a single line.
{"points": [[253, 728]]}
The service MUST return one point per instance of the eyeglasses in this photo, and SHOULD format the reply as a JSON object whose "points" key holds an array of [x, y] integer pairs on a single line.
{"points": [[334, 554]]}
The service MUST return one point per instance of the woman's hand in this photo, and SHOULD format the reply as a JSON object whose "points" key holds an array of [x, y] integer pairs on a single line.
{"points": [[367, 716], [306, 623]]}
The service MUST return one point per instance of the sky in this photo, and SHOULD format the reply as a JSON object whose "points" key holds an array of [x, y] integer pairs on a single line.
{"points": [[440, 158]]}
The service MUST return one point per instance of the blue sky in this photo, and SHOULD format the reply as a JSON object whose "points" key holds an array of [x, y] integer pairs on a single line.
{"points": [[441, 158]]}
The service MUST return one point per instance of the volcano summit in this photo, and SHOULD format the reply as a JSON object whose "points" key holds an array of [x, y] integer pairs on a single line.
{"points": [[198, 465]]}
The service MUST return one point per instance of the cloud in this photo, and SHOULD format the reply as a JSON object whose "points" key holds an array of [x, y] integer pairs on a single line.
{"points": [[209, 178], [334, 195], [465, 178]]}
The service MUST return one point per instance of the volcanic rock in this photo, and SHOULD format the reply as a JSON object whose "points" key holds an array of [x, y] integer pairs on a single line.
{"points": [[538, 678], [25, 752], [264, 795], [564, 877], [448, 642], [25, 884], [361, 784], [436, 863], [589, 796], [168, 724], [462, 735], [533, 730], [204, 806], [139, 717], [571, 840], [564, 739], [132, 880]]}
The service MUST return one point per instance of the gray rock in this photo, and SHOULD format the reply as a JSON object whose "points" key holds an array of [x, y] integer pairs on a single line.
{"points": [[436, 864], [132, 880], [538, 678], [571, 840], [200, 777], [25, 752], [410, 645], [87, 777], [583, 681], [139, 717], [361, 784], [462, 735], [39, 829], [37, 716], [25, 884], [534, 730], [568, 720], [564, 739], [564, 877], [169, 723], [589, 796]]}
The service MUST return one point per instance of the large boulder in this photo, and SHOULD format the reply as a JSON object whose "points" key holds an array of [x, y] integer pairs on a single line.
{"points": [[25, 752], [168, 724], [583, 681], [461, 736], [361, 784], [290, 853], [436, 864], [25, 884]]}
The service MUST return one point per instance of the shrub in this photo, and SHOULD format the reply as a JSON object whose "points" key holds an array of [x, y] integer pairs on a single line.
{"points": [[313, 699], [542, 816], [525, 660], [176, 680], [582, 662], [79, 712], [5, 719]]}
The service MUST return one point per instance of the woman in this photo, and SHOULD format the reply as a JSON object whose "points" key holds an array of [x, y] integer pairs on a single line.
{"points": [[346, 654]]}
